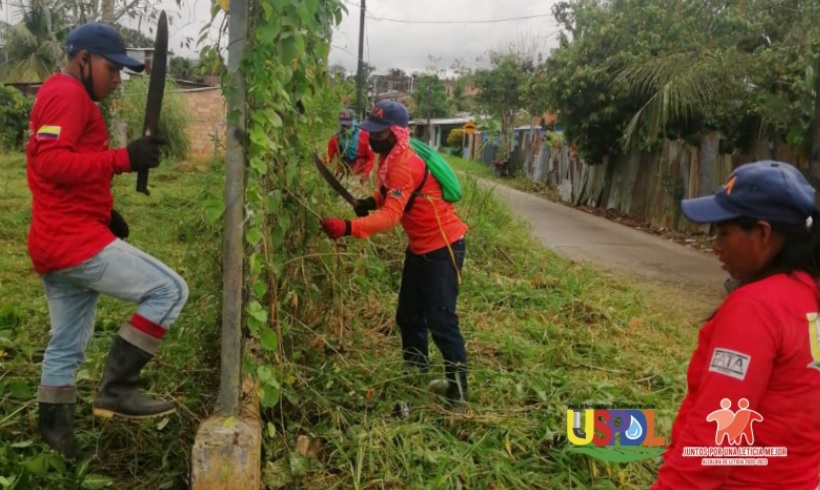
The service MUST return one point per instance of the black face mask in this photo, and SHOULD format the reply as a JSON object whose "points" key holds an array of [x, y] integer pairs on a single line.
{"points": [[87, 81], [383, 147]]}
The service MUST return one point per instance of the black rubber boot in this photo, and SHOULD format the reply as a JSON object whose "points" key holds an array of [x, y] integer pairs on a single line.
{"points": [[456, 393], [119, 390], [56, 419]]}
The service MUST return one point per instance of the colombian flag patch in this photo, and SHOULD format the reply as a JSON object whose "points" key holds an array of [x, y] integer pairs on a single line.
{"points": [[48, 132]]}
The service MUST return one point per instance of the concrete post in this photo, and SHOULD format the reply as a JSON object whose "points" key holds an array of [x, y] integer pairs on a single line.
{"points": [[227, 451]]}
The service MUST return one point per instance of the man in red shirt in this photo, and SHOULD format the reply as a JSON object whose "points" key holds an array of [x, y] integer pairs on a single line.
{"points": [[754, 379], [73, 239], [351, 147], [433, 260]]}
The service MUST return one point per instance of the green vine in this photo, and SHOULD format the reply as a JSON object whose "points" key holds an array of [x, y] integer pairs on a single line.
{"points": [[285, 69]]}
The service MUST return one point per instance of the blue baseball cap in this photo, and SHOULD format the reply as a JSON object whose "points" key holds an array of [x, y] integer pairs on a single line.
{"points": [[103, 40], [767, 190], [386, 113], [347, 118]]}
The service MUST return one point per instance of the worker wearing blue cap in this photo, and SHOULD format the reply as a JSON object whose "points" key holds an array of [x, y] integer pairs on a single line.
{"points": [[76, 239]]}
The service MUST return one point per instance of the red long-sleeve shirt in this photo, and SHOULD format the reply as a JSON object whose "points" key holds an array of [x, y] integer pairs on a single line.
{"points": [[364, 154], [763, 344], [432, 222], [69, 172]]}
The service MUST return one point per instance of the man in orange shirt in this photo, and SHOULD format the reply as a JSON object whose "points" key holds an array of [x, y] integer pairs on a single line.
{"points": [[435, 255]]}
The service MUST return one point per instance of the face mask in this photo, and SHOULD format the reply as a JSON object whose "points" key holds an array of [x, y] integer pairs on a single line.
{"points": [[88, 81], [383, 147]]}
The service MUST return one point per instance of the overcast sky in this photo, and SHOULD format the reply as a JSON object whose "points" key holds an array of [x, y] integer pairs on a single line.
{"points": [[406, 45]]}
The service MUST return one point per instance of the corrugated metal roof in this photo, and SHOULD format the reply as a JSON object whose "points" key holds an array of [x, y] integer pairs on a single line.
{"points": [[441, 121]]}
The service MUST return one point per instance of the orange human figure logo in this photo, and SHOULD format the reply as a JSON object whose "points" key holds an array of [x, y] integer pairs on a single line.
{"points": [[734, 426], [742, 424], [724, 418]]}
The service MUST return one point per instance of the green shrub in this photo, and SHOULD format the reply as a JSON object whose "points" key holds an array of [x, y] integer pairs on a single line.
{"points": [[455, 138], [129, 107], [14, 112]]}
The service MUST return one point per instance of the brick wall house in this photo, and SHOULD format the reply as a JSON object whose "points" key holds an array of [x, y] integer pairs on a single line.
{"points": [[208, 121]]}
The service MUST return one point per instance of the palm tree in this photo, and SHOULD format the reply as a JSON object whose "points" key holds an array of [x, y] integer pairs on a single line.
{"points": [[676, 87], [33, 46]]}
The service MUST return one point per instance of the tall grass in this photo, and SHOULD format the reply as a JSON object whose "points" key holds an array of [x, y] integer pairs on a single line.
{"points": [[129, 107], [541, 333]]}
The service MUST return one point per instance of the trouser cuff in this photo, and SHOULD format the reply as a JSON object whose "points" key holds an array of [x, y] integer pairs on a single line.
{"points": [[138, 338], [57, 394]]}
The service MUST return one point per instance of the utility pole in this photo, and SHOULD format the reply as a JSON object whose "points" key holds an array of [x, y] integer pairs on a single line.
{"points": [[360, 72]]}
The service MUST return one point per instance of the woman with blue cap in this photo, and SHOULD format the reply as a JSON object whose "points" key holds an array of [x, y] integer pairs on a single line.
{"points": [[751, 416]]}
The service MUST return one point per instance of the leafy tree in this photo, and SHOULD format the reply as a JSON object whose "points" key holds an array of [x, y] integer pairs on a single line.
{"points": [[630, 72], [430, 97], [134, 38], [500, 88], [337, 72]]}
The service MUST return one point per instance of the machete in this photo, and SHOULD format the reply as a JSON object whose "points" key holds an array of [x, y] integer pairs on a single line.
{"points": [[328, 176], [156, 89]]}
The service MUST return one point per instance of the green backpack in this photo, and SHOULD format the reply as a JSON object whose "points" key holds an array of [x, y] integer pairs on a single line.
{"points": [[441, 170]]}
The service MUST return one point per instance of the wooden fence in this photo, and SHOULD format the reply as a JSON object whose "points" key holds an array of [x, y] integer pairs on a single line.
{"points": [[646, 185]]}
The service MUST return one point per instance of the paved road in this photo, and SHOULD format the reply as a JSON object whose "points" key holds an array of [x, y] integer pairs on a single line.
{"points": [[585, 237]]}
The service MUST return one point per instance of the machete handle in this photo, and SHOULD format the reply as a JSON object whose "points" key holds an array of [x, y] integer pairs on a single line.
{"points": [[142, 182]]}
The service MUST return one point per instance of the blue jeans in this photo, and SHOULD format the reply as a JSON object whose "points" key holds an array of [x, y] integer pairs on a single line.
{"points": [[119, 270], [427, 303]]}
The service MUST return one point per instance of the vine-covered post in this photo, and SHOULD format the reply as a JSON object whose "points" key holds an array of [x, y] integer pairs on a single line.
{"points": [[227, 451], [233, 245]]}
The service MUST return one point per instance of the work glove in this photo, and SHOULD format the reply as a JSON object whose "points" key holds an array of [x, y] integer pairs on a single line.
{"points": [[336, 228], [364, 206], [144, 153], [118, 226]]}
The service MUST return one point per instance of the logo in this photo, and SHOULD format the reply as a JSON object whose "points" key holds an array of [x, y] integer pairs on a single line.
{"points": [[377, 113], [734, 425], [734, 428], [728, 186], [617, 435], [731, 363]]}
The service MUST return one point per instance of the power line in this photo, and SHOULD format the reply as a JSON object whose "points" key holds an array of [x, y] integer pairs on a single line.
{"points": [[342, 49], [490, 21]]}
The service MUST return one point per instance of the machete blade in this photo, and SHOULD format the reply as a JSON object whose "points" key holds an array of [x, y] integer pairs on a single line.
{"points": [[156, 89], [330, 179]]}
